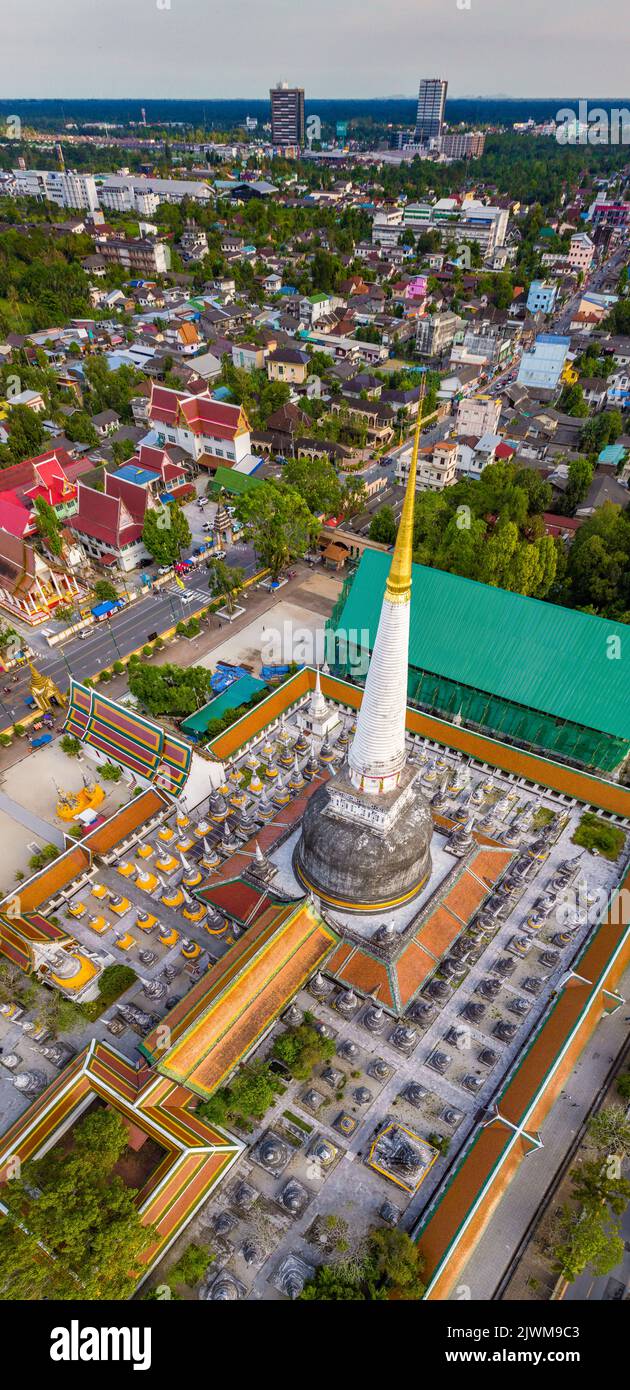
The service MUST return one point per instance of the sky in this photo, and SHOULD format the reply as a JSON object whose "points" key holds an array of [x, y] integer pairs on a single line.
{"points": [[332, 48]]}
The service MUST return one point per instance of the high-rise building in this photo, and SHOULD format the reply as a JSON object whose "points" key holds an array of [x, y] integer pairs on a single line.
{"points": [[431, 103], [287, 115]]}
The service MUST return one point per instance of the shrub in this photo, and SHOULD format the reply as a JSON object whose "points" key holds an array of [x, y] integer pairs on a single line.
{"points": [[118, 667], [71, 745], [105, 676], [114, 981], [147, 649], [599, 835], [5, 740], [111, 772]]}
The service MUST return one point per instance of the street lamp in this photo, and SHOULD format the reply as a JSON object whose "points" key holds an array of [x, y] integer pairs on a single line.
{"points": [[111, 633]]}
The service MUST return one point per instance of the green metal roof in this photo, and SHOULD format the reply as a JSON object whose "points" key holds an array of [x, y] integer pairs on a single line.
{"points": [[536, 654], [238, 693], [233, 481]]}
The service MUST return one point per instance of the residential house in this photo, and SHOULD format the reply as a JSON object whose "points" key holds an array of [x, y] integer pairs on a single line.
{"points": [[288, 364], [106, 422], [248, 356]]}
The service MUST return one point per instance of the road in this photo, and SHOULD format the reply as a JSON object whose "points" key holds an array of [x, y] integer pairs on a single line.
{"points": [[113, 639], [514, 1213]]}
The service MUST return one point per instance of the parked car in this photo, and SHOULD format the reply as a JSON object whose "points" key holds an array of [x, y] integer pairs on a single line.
{"points": [[165, 569], [202, 501]]}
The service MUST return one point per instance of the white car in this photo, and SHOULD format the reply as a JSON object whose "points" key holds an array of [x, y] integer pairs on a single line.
{"points": [[165, 569], [202, 501]]}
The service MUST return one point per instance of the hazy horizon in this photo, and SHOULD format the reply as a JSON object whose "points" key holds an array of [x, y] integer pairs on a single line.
{"points": [[86, 50]]}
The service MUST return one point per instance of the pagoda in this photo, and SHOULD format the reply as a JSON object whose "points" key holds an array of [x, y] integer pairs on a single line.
{"points": [[366, 835]]}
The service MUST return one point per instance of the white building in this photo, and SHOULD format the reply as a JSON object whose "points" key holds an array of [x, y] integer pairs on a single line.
{"points": [[387, 227], [581, 252], [67, 189], [469, 221], [477, 415], [148, 193]]}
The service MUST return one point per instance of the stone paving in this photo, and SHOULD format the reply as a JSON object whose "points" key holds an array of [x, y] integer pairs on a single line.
{"points": [[511, 971]]}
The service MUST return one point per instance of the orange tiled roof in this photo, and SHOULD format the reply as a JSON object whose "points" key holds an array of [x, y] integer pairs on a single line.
{"points": [[240, 996]]}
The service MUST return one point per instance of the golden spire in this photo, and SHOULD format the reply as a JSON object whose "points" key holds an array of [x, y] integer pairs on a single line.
{"points": [[398, 587]]}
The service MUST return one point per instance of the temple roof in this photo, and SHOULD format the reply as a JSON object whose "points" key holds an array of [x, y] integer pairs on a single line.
{"points": [[225, 1014]]}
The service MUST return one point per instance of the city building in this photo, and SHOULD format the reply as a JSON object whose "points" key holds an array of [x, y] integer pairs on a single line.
{"points": [[140, 193], [541, 368], [430, 111], [436, 466], [436, 332], [109, 524], [581, 252], [139, 256], [468, 144], [542, 297], [468, 221], [477, 415], [608, 215], [387, 227], [287, 115], [66, 188], [288, 364]]}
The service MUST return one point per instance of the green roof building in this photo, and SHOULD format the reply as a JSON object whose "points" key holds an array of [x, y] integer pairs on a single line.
{"points": [[534, 674]]}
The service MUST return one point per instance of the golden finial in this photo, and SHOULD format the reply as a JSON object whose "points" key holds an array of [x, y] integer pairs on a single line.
{"points": [[398, 587]]}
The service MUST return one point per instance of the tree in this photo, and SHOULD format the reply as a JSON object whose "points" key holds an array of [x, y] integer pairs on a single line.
{"points": [[26, 432], [610, 1131], [300, 1048], [580, 478], [388, 1265], [599, 835], [170, 689], [114, 981], [598, 564], [225, 582], [383, 526], [572, 400], [104, 591], [278, 523], [55, 1013], [166, 533], [8, 637], [247, 1098], [72, 1228], [592, 1240], [49, 525], [110, 772], [317, 483]]}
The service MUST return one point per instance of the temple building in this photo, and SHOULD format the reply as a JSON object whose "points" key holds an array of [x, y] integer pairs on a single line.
{"points": [[365, 842]]}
